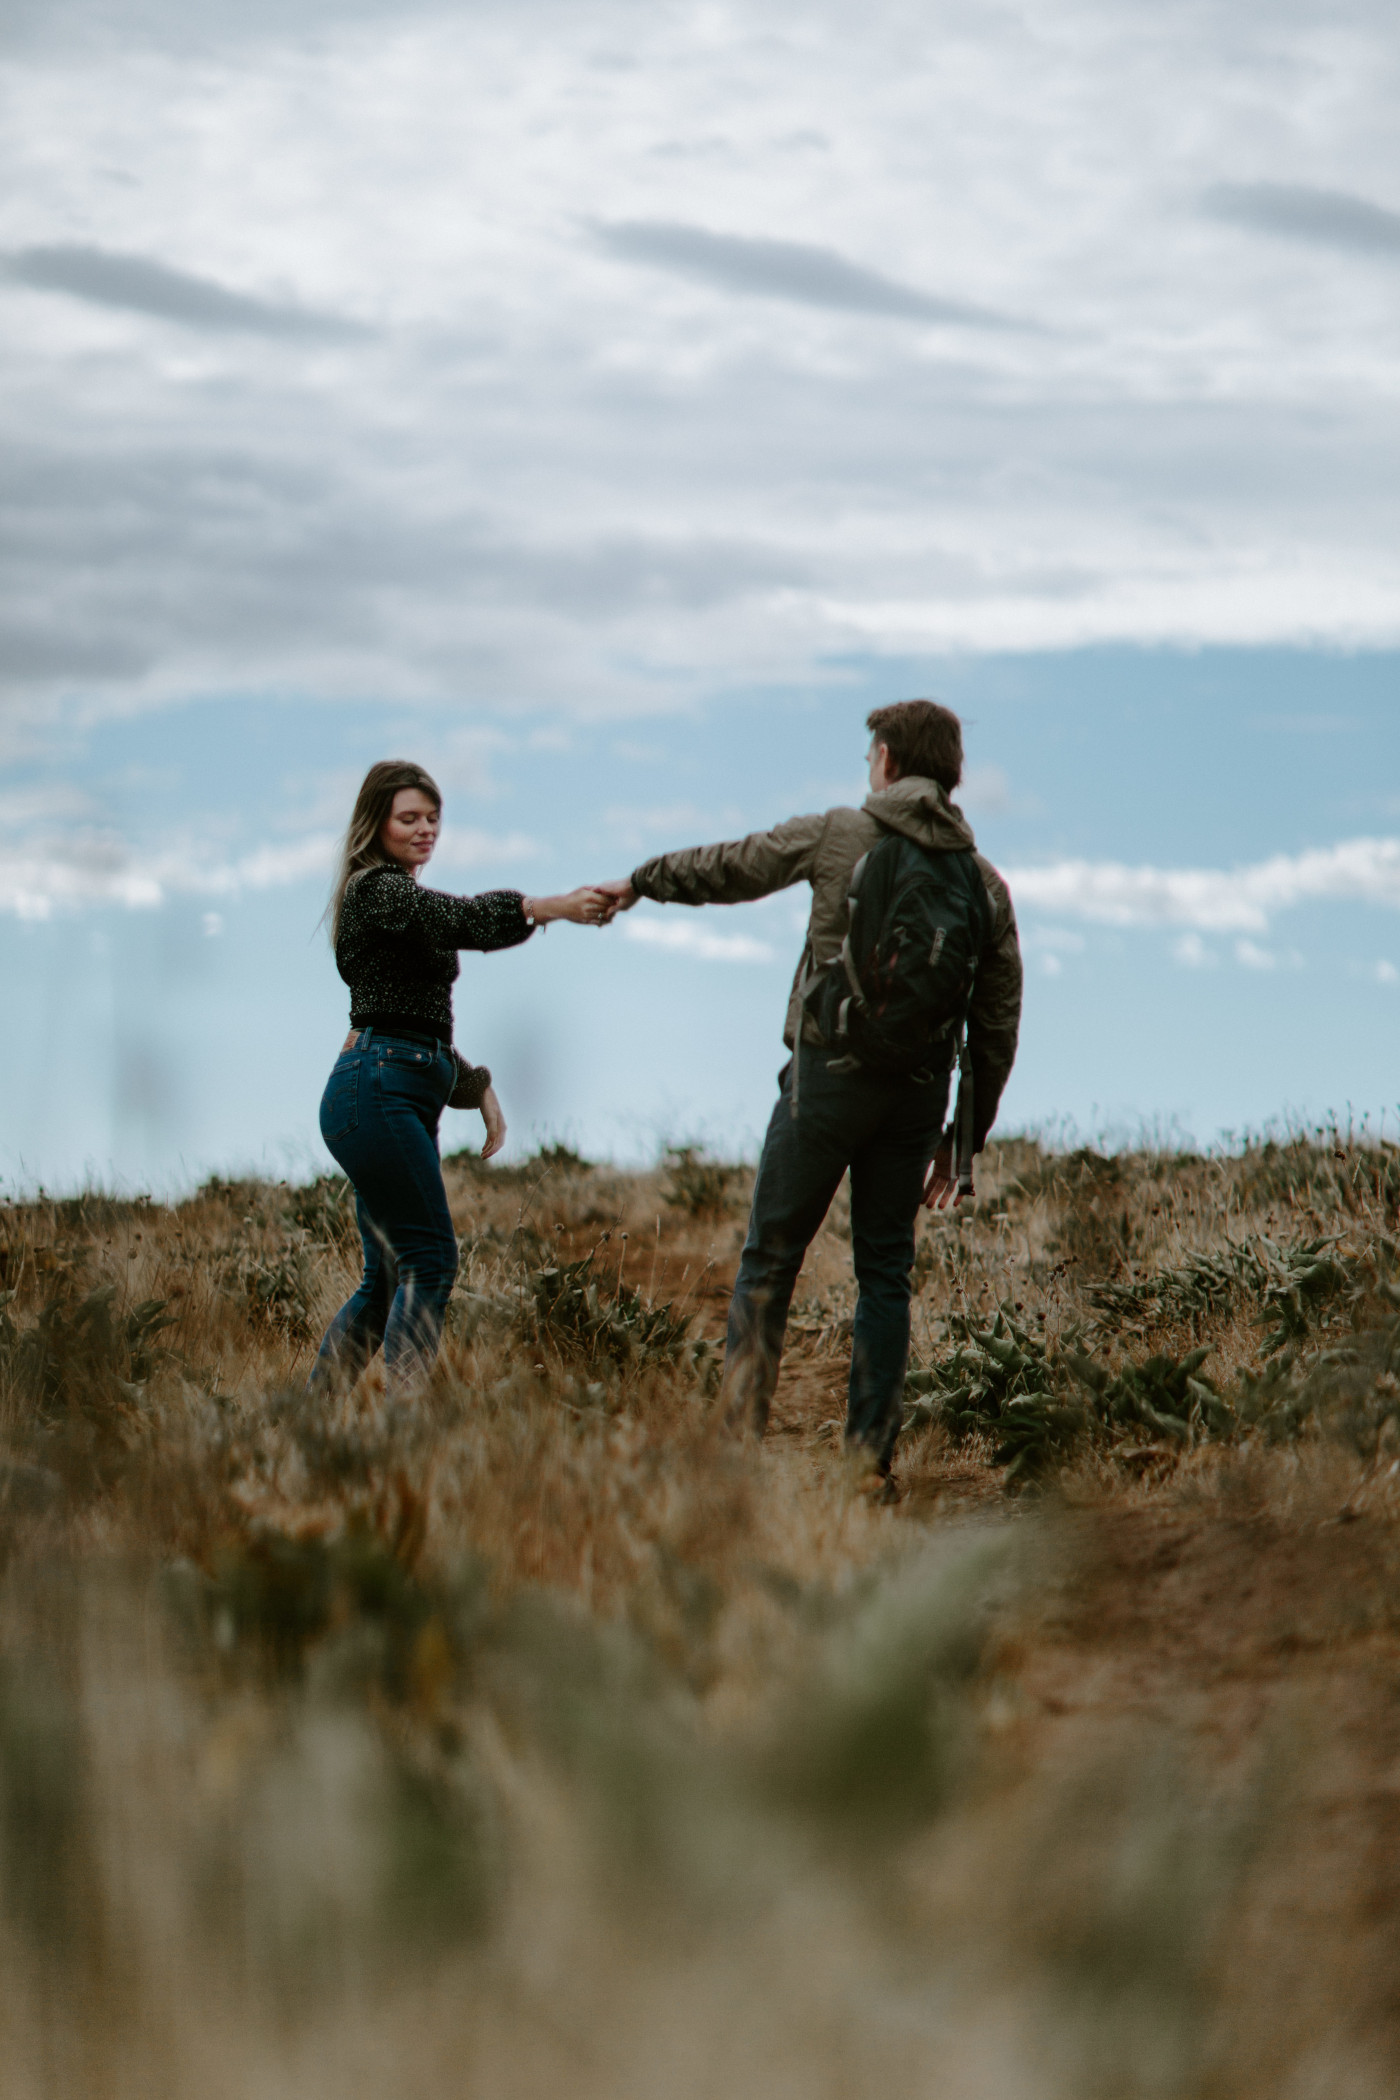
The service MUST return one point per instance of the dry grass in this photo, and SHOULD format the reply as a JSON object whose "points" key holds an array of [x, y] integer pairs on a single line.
{"points": [[533, 1735]]}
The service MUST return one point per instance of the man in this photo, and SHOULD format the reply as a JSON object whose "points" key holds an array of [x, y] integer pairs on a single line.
{"points": [[834, 1111]]}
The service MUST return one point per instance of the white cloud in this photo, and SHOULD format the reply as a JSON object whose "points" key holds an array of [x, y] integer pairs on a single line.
{"points": [[638, 830], [315, 373], [1061, 939], [636, 753], [1252, 957], [1386, 973], [1213, 900], [985, 791], [464, 764], [265, 868], [685, 937], [38, 880], [1192, 953], [460, 846]]}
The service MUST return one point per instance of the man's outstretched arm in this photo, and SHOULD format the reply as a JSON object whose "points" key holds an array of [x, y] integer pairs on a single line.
{"points": [[731, 873]]}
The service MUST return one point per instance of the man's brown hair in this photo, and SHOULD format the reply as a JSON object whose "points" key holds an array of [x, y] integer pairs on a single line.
{"points": [[923, 738]]}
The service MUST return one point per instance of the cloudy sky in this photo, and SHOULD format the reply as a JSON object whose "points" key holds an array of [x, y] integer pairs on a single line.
{"points": [[607, 406]]}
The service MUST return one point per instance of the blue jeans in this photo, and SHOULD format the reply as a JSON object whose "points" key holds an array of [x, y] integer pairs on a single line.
{"points": [[379, 1119], [886, 1132]]}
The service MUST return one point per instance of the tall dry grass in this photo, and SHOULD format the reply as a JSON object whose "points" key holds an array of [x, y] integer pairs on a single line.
{"points": [[531, 1734]]}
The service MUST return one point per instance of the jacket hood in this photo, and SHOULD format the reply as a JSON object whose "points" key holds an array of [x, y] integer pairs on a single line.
{"points": [[920, 810]]}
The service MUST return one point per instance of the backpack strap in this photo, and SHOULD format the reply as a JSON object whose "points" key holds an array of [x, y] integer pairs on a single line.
{"points": [[806, 984], [964, 1118], [848, 961], [812, 977], [964, 1114]]}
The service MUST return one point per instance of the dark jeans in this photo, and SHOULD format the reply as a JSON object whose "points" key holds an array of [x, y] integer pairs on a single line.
{"points": [[379, 1119], [886, 1132]]}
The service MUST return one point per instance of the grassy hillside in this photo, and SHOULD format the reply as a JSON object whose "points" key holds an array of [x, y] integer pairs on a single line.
{"points": [[534, 1736]]}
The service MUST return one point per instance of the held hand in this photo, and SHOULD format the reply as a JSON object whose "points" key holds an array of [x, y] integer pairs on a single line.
{"points": [[495, 1124], [620, 896], [586, 906], [941, 1191]]}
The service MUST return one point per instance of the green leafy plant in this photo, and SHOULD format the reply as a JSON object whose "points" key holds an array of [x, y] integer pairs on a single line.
{"points": [[1299, 1283], [278, 1286], [1350, 1391], [1165, 1395], [698, 1185], [1005, 1384], [324, 1209], [1294, 1284], [579, 1311], [83, 1368], [999, 1383], [88, 1354], [556, 1160], [1205, 1283]]}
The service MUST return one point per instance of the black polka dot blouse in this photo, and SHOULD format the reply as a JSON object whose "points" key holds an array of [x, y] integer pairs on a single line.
{"points": [[397, 947]]}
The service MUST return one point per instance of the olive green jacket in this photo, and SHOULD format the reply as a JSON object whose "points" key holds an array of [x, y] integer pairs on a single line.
{"points": [[823, 850]]}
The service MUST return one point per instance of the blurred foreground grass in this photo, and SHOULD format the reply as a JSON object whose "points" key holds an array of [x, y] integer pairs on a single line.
{"points": [[533, 1736]]}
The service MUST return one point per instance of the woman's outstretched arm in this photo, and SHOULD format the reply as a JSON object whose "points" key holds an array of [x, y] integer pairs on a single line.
{"points": [[584, 907], [388, 900]]}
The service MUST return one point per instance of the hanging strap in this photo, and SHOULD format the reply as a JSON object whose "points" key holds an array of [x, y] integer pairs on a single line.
{"points": [[964, 1118], [965, 1113], [812, 977], [848, 961], [806, 985]]}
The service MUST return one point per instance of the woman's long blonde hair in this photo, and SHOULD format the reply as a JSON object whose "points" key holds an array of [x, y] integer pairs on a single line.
{"points": [[361, 848]]}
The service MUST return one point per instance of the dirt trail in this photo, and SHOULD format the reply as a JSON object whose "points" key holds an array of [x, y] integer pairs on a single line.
{"points": [[1259, 1644], [1255, 1638]]}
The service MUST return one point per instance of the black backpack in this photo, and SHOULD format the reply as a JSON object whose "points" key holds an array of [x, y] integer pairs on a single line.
{"points": [[896, 998]]}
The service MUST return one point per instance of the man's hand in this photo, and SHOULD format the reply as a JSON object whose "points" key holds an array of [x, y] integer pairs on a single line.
{"points": [[941, 1191], [495, 1123], [620, 896]]}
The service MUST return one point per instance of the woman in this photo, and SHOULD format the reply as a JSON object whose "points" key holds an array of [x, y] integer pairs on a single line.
{"points": [[396, 947]]}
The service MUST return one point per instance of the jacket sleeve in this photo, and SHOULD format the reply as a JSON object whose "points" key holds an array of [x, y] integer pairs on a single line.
{"points": [[736, 871], [391, 902], [472, 1082], [994, 1016]]}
